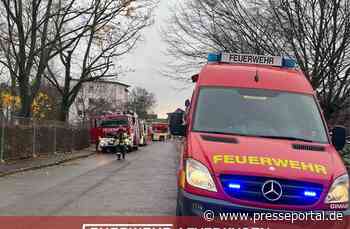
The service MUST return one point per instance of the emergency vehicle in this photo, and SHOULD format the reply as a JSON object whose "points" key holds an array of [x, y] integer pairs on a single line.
{"points": [[160, 132], [256, 140], [105, 125], [144, 133]]}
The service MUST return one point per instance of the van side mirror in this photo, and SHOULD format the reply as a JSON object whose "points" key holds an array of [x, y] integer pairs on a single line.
{"points": [[339, 137]]}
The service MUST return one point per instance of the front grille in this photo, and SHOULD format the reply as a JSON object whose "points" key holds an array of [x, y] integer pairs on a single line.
{"points": [[250, 188]]}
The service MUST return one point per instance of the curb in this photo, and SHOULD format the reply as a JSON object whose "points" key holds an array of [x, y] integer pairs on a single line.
{"points": [[46, 165]]}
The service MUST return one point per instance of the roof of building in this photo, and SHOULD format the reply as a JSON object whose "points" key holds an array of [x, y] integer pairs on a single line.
{"points": [[177, 111]]}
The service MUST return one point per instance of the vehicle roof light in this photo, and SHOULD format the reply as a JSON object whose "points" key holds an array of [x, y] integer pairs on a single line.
{"points": [[288, 62], [214, 57], [235, 58]]}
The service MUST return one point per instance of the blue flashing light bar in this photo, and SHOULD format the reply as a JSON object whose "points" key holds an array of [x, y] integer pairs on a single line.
{"points": [[214, 57], [288, 62], [310, 194], [235, 58], [234, 186]]}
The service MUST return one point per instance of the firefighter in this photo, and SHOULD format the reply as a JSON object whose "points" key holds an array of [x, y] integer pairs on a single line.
{"points": [[121, 144]]}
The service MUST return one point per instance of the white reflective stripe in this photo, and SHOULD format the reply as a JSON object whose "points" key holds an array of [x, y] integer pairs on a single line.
{"points": [[236, 58]]}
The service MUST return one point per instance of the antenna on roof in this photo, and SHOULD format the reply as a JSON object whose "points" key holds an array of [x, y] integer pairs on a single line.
{"points": [[256, 78]]}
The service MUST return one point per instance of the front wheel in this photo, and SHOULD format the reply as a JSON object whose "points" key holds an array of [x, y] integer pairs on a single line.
{"points": [[97, 148]]}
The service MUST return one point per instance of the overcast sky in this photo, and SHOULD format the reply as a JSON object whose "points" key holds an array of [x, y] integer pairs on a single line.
{"points": [[148, 59]]}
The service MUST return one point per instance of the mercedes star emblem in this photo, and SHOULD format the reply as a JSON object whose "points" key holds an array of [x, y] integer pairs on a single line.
{"points": [[272, 190]]}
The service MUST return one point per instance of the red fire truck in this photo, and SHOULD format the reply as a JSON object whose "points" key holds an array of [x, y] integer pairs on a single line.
{"points": [[160, 131], [105, 125]]}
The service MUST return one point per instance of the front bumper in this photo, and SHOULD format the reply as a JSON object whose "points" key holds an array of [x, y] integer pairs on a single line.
{"points": [[158, 136], [194, 205]]}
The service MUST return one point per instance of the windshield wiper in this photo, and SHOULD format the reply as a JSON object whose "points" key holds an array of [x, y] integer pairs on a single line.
{"points": [[285, 138]]}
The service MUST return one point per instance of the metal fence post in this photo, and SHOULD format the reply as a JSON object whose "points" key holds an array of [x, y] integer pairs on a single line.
{"points": [[34, 138], [72, 142], [2, 141], [54, 139]]}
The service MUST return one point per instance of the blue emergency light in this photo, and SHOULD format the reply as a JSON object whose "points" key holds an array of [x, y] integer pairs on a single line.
{"points": [[288, 62], [310, 194], [234, 186], [214, 57]]}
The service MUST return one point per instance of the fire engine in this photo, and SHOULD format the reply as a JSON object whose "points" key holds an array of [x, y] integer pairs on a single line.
{"points": [[104, 125], [160, 132]]}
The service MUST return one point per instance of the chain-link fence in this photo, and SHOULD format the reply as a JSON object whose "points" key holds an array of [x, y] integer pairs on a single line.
{"points": [[22, 138]]}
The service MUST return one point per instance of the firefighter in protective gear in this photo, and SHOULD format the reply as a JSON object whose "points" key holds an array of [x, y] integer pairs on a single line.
{"points": [[121, 143]]}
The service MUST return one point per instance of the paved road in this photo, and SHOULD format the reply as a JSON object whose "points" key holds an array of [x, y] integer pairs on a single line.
{"points": [[144, 184]]}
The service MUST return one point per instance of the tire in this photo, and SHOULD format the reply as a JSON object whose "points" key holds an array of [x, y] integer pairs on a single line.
{"points": [[97, 149]]}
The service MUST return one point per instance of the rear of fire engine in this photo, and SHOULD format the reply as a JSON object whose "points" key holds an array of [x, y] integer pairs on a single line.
{"points": [[256, 140]]}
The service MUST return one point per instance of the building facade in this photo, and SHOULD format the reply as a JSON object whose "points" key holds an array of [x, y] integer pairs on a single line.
{"points": [[99, 97]]}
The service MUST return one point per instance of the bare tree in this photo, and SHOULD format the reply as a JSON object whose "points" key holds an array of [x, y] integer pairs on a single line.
{"points": [[113, 30], [315, 32], [141, 101], [28, 40]]}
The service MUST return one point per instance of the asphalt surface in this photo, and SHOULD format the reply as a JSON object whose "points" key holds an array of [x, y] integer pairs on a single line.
{"points": [[100, 185], [143, 184]]}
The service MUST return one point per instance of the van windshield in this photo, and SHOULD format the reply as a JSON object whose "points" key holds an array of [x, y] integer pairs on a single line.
{"points": [[114, 122], [260, 113]]}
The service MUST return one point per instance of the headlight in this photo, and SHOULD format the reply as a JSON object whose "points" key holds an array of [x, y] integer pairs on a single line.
{"points": [[106, 141], [103, 143], [339, 191], [198, 176]]}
